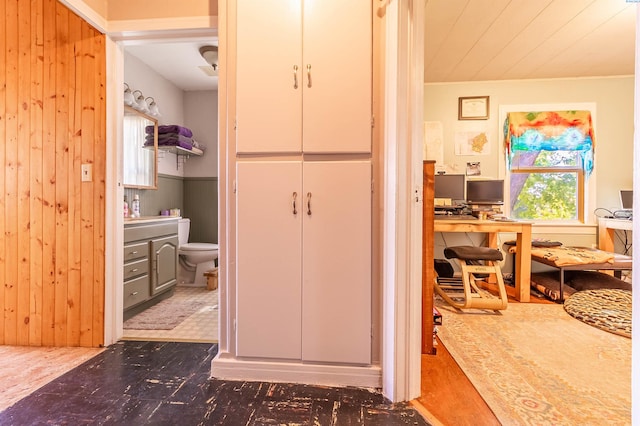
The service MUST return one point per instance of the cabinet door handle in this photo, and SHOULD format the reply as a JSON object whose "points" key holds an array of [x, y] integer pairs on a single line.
{"points": [[135, 293], [134, 252], [295, 195], [134, 270], [308, 75], [309, 203], [295, 76]]}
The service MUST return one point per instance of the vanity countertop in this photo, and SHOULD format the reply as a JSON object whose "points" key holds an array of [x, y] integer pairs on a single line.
{"points": [[148, 219]]}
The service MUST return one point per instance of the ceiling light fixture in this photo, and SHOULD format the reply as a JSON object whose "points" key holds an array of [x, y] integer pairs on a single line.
{"points": [[140, 104], [128, 96], [210, 55], [153, 107]]}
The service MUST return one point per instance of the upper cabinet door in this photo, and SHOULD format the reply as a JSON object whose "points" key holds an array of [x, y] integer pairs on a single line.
{"points": [[269, 87], [337, 62], [304, 73]]}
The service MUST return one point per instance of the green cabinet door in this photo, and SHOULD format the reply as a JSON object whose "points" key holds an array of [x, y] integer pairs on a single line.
{"points": [[164, 258]]}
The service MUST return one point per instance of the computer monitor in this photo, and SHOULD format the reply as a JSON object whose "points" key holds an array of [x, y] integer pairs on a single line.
{"points": [[626, 199], [485, 191], [449, 186]]}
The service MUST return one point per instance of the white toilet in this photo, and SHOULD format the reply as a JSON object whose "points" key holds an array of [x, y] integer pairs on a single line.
{"points": [[194, 258]]}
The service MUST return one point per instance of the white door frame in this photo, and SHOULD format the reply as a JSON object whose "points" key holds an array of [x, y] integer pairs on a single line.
{"points": [[402, 242]]}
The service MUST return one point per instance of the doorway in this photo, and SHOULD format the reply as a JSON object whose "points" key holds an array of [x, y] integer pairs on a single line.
{"points": [[182, 83]]}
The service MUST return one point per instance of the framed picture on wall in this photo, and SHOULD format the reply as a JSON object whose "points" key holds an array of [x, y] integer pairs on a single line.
{"points": [[473, 108]]}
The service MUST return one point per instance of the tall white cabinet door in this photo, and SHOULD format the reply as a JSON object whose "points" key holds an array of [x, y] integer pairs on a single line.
{"points": [[269, 259], [337, 47], [269, 89], [336, 286]]}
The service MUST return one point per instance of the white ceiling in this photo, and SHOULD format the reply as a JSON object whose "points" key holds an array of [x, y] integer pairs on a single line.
{"points": [[178, 62], [477, 40]]}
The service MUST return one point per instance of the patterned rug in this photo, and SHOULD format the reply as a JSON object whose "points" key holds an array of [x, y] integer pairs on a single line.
{"points": [[536, 365], [167, 314], [607, 309]]}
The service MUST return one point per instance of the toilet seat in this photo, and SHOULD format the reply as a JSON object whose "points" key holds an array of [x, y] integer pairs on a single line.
{"points": [[198, 247]]}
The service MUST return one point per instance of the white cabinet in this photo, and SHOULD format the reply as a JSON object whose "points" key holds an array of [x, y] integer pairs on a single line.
{"points": [[304, 76], [304, 260], [269, 253], [336, 279]]}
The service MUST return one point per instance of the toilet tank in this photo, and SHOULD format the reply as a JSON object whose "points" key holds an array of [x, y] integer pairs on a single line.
{"points": [[183, 231]]}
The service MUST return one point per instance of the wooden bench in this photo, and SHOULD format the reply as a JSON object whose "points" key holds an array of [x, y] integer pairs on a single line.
{"points": [[566, 258]]}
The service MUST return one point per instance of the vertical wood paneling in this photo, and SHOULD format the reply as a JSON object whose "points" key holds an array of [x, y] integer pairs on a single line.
{"points": [[75, 194], [3, 94], [35, 208], [49, 167], [99, 187], [84, 154], [11, 184], [52, 120], [63, 90], [23, 169]]}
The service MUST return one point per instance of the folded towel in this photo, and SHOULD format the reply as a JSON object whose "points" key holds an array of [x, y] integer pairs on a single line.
{"points": [[172, 142], [170, 137], [171, 128]]}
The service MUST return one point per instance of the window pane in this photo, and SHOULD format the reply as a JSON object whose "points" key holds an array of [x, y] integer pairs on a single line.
{"points": [[544, 196], [536, 159]]}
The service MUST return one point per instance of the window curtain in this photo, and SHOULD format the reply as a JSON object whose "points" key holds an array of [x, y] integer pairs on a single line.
{"points": [[551, 131], [139, 166]]}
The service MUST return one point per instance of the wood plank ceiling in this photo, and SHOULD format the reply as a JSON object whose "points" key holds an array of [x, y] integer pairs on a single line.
{"points": [[479, 40]]}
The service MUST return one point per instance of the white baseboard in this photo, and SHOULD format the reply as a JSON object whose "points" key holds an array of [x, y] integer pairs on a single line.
{"points": [[229, 368]]}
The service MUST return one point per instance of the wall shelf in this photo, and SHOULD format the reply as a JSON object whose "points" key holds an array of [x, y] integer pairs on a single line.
{"points": [[181, 152]]}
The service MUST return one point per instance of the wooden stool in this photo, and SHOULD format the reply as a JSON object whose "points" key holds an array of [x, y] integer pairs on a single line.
{"points": [[473, 260]]}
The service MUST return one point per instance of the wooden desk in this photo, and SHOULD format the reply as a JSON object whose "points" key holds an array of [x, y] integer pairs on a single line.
{"points": [[607, 229], [522, 267]]}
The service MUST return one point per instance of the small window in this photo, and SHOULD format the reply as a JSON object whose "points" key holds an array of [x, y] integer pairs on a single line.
{"points": [[550, 155]]}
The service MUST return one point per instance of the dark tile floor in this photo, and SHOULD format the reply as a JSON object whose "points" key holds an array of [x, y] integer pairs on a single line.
{"points": [[159, 383]]}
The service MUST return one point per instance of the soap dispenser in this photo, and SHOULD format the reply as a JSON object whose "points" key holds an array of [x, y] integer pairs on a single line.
{"points": [[135, 206]]}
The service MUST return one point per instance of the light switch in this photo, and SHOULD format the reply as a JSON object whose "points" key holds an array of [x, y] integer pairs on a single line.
{"points": [[86, 173]]}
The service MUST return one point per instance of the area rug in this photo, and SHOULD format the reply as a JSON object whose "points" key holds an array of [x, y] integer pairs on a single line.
{"points": [[607, 309], [536, 365], [167, 314]]}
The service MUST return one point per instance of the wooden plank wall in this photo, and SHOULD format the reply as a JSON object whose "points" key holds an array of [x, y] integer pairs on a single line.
{"points": [[52, 120]]}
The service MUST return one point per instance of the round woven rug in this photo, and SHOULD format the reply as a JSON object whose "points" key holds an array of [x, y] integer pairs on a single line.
{"points": [[607, 309]]}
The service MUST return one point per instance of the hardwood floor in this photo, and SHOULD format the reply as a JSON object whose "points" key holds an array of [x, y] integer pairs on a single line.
{"points": [[447, 396]]}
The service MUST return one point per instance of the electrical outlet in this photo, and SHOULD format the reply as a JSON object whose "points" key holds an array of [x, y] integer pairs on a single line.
{"points": [[86, 173]]}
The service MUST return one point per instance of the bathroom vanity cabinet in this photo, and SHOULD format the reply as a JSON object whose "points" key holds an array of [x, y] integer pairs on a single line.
{"points": [[150, 262]]}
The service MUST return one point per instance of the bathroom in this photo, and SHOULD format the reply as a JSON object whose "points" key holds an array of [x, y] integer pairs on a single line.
{"points": [[185, 183]]}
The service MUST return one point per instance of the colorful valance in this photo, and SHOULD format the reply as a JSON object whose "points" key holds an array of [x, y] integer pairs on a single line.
{"points": [[551, 131]]}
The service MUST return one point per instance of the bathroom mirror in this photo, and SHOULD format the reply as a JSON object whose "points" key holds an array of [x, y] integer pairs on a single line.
{"points": [[140, 150]]}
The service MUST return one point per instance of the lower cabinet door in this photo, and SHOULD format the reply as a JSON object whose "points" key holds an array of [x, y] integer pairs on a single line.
{"points": [[269, 209], [336, 284], [164, 260]]}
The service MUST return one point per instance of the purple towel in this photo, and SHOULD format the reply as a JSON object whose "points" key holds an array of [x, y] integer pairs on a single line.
{"points": [[171, 128], [169, 137]]}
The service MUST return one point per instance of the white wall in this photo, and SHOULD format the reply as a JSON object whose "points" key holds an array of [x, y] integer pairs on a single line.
{"points": [[614, 127], [201, 116]]}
